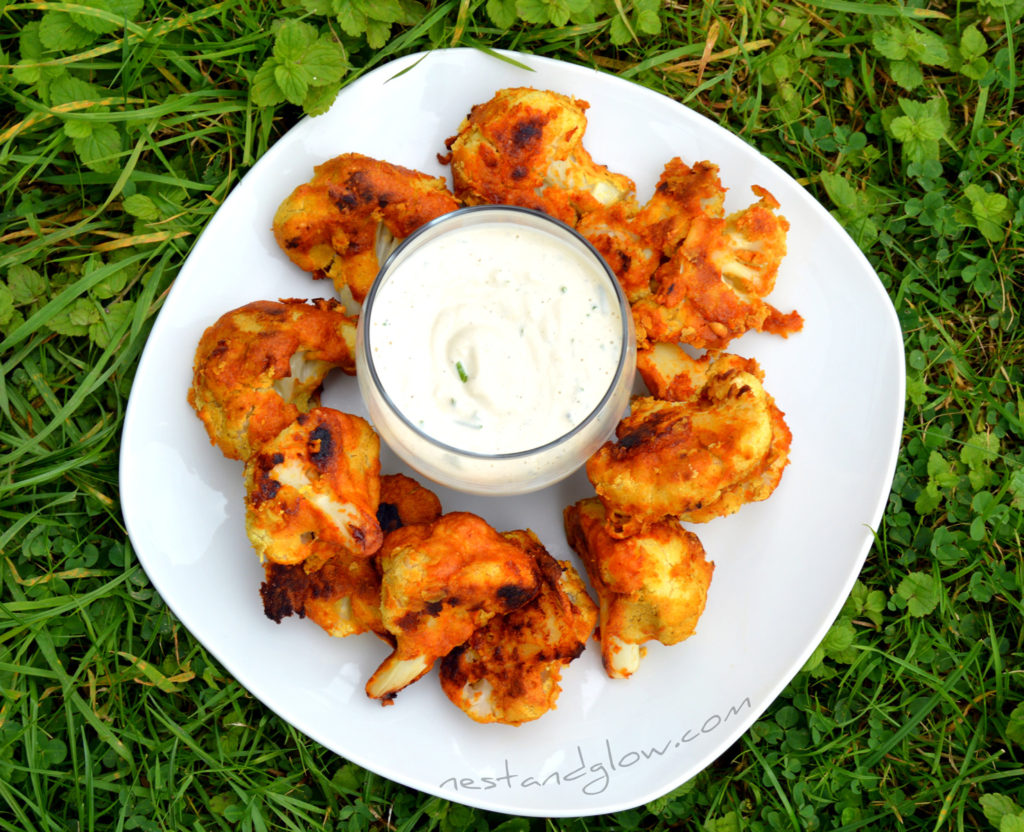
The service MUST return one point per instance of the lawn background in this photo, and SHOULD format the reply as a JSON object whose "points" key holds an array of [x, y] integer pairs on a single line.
{"points": [[125, 123]]}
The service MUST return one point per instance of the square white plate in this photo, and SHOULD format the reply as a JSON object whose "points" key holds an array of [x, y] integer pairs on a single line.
{"points": [[783, 567]]}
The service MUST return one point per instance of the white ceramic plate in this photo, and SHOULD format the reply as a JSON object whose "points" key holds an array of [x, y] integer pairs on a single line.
{"points": [[783, 567]]}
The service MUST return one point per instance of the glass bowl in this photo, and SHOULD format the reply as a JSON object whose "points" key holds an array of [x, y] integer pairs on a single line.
{"points": [[495, 351]]}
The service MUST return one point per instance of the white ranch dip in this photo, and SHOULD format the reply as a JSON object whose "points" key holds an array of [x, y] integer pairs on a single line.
{"points": [[496, 338]]}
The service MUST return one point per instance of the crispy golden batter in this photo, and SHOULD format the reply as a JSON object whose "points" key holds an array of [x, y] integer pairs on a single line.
{"points": [[262, 364], [525, 147], [635, 240], [724, 443], [671, 374], [625, 243], [347, 218], [343, 595], [442, 581], [710, 290], [313, 489], [652, 585], [509, 670], [681, 195]]}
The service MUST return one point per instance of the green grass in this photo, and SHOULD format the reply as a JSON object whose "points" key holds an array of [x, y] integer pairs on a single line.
{"points": [[126, 122]]}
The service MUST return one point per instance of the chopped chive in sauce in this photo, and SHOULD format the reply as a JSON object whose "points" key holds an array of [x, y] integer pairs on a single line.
{"points": [[463, 377]]}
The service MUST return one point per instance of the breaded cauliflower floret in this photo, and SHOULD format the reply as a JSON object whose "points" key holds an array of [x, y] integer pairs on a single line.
{"points": [[262, 364], [525, 147], [671, 374], [342, 596], [441, 582], [723, 444], [711, 289], [314, 488], [652, 585], [509, 670], [344, 222], [404, 502], [635, 240], [625, 243], [682, 194]]}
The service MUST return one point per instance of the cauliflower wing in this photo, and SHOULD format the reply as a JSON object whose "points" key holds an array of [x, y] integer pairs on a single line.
{"points": [[670, 373], [344, 222], [440, 582], [525, 147], [509, 670], [625, 243], [404, 502], [711, 290], [313, 489], [652, 585], [635, 240], [257, 367], [682, 194], [343, 595], [722, 444]]}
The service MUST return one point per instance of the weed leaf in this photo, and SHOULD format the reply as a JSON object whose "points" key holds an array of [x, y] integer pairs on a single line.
{"points": [[991, 212], [122, 9], [292, 40], [889, 43], [972, 44], [647, 19], [75, 319], [26, 284], [1015, 485], [920, 128], [141, 206], [293, 81], [319, 99], [99, 149], [996, 807], [502, 13], [1012, 823], [1015, 726], [60, 33], [921, 593], [6, 304], [113, 319], [264, 89], [351, 19], [907, 74]]}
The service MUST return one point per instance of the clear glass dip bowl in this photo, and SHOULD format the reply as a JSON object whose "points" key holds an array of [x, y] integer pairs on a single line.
{"points": [[484, 364]]}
